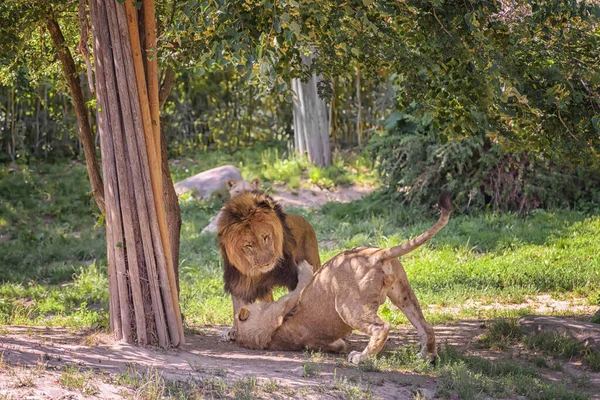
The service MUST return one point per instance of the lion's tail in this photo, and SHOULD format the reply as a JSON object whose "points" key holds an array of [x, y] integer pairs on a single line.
{"points": [[445, 204]]}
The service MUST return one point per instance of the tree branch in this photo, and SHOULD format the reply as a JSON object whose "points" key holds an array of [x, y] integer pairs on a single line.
{"points": [[166, 86], [85, 130]]}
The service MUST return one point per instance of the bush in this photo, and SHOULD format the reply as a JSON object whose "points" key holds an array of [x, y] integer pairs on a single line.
{"points": [[417, 163]]}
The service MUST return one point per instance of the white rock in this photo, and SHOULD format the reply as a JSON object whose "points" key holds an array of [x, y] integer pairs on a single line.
{"points": [[204, 184]]}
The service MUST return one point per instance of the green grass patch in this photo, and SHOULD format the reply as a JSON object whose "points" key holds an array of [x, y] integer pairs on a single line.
{"points": [[53, 258], [554, 344], [470, 377], [502, 333], [74, 378], [276, 164]]}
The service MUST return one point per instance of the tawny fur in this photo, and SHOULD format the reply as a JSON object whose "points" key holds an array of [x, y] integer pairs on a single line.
{"points": [[257, 332], [261, 246], [344, 294], [235, 188]]}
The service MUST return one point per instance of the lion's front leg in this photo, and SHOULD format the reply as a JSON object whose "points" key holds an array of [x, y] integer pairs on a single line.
{"points": [[229, 334]]}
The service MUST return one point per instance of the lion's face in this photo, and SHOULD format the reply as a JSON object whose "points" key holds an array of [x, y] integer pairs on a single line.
{"points": [[254, 243], [238, 187]]}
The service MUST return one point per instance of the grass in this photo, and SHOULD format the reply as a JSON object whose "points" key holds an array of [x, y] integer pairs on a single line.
{"points": [[275, 164], [310, 369], [472, 377], [150, 384], [554, 345], [53, 262], [22, 377], [74, 378], [502, 333]]}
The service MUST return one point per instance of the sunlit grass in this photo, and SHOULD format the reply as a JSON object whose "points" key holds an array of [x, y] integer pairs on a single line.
{"points": [[49, 238]]}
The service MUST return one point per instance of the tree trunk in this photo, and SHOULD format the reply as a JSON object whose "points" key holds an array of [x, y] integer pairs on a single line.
{"points": [[171, 199], [68, 67], [172, 208], [311, 128], [166, 86], [359, 107], [144, 304]]}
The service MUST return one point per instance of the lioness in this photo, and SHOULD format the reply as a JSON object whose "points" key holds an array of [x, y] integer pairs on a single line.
{"points": [[343, 295], [234, 187], [261, 246]]}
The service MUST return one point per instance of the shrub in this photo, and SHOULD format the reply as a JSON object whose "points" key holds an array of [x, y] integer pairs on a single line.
{"points": [[418, 163]]}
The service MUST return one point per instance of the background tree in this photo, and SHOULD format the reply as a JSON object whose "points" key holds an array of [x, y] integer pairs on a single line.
{"points": [[311, 125]]}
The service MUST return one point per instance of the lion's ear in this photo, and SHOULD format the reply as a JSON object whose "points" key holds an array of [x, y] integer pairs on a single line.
{"points": [[266, 203], [231, 183], [255, 183], [244, 314]]}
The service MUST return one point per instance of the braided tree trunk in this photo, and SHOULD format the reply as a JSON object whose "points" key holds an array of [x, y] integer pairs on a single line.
{"points": [[144, 304]]}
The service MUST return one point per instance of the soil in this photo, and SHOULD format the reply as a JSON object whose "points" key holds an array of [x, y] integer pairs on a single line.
{"points": [[44, 352], [32, 359]]}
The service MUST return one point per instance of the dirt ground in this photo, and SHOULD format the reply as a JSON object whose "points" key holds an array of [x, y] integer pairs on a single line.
{"points": [[203, 355], [41, 354]]}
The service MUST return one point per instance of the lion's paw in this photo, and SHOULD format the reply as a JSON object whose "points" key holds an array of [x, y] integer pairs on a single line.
{"points": [[228, 334], [356, 357]]}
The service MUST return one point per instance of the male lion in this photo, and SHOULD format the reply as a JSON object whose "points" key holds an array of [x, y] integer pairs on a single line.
{"points": [[343, 295], [261, 247], [234, 187]]}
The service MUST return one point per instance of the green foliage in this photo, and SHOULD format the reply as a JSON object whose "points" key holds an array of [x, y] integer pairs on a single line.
{"points": [[46, 222], [469, 377], [560, 346], [219, 110], [84, 302], [554, 344], [502, 332], [75, 379], [504, 257], [419, 163], [520, 72], [274, 164], [592, 360]]}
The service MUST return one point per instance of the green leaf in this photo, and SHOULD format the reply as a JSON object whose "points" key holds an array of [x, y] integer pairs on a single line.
{"points": [[277, 24], [393, 119], [596, 123]]}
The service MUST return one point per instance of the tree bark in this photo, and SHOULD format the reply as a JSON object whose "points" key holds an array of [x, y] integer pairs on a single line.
{"points": [[171, 200], [359, 107], [72, 77], [166, 86], [172, 208], [311, 128], [145, 287], [148, 96]]}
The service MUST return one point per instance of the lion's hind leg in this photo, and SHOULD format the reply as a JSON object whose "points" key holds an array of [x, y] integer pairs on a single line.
{"points": [[402, 296], [378, 330], [363, 317]]}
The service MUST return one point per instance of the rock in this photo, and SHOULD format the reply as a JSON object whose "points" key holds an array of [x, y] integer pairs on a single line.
{"points": [[586, 333], [204, 184]]}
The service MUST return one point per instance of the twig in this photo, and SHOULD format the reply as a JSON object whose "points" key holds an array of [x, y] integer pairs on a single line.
{"points": [[442, 25]]}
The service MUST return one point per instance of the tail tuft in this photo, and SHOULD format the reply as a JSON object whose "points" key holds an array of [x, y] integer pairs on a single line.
{"points": [[445, 201]]}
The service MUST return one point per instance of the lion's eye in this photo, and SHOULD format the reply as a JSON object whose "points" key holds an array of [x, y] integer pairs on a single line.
{"points": [[266, 239], [249, 247]]}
